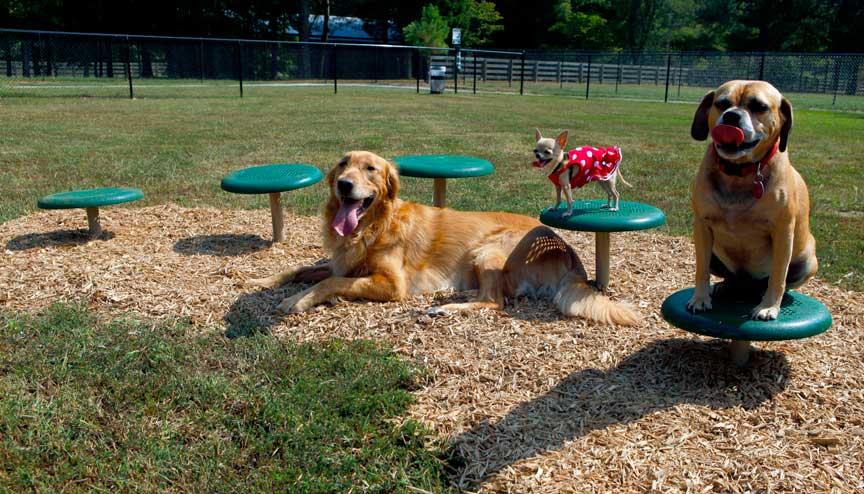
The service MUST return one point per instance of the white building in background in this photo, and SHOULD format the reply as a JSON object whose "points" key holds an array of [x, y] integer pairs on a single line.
{"points": [[346, 30]]}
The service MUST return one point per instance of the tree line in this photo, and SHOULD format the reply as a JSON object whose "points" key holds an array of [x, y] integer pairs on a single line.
{"points": [[730, 25]]}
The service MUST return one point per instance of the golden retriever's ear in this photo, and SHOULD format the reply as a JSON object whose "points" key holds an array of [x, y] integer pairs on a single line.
{"points": [[537, 135], [786, 111], [392, 181], [699, 129], [561, 140]]}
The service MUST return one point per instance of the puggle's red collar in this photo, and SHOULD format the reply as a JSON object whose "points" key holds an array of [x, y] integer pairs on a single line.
{"points": [[744, 169]]}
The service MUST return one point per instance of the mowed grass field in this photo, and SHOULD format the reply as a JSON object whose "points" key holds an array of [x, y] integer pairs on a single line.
{"points": [[88, 404], [176, 144]]}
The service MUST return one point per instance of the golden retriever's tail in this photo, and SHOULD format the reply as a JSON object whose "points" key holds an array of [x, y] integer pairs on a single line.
{"points": [[577, 298]]}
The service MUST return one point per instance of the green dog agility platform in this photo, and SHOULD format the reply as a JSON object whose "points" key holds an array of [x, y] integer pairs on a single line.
{"points": [[441, 167], [90, 200], [272, 180], [800, 316], [590, 216]]}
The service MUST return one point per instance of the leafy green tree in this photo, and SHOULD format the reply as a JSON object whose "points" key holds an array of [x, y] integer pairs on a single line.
{"points": [[430, 30], [478, 19], [583, 24]]}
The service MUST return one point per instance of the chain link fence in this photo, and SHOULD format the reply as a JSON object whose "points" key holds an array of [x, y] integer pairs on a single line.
{"points": [[41, 63]]}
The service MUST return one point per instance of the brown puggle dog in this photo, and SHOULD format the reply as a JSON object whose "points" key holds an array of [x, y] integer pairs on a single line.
{"points": [[751, 207], [383, 248]]}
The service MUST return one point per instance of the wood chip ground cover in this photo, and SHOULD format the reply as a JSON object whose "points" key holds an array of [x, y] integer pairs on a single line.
{"points": [[532, 402]]}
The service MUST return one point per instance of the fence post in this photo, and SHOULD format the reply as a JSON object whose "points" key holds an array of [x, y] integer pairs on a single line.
{"points": [[588, 79], [417, 69], [762, 67], [618, 75], [456, 71], [836, 81], [668, 68], [129, 67], [335, 68], [201, 59], [522, 75], [475, 72], [240, 65], [680, 69]]}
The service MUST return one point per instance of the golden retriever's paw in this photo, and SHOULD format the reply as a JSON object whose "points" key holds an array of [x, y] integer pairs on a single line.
{"points": [[269, 282], [699, 302], [762, 313], [295, 304]]}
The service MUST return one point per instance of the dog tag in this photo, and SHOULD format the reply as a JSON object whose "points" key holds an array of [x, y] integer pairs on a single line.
{"points": [[758, 189]]}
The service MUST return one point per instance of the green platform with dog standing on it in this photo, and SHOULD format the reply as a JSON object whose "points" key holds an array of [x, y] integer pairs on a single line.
{"points": [[800, 316], [441, 167], [590, 216]]}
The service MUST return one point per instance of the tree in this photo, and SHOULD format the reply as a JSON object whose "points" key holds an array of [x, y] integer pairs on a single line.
{"points": [[583, 24], [430, 30], [478, 19]]}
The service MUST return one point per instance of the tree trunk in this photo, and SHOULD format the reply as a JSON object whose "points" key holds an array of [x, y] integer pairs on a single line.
{"points": [[325, 35], [305, 30], [109, 58], [146, 64], [8, 51]]}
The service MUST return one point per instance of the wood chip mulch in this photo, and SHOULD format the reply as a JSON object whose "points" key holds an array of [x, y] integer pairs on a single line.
{"points": [[532, 402]]}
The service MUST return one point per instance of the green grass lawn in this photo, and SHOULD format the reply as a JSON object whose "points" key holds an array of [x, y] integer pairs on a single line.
{"points": [[126, 406], [92, 406], [177, 147]]}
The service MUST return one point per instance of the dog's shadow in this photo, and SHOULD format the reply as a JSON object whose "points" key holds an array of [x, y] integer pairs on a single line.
{"points": [[223, 245], [56, 238], [660, 376]]}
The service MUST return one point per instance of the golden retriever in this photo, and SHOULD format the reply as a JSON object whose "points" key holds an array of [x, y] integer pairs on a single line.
{"points": [[383, 248]]}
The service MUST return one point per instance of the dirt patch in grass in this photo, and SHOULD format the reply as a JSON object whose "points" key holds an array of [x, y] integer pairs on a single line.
{"points": [[530, 402]]}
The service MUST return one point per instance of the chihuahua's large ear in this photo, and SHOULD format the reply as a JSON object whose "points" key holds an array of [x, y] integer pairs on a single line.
{"points": [[561, 140], [699, 129], [392, 181], [537, 135], [786, 111]]}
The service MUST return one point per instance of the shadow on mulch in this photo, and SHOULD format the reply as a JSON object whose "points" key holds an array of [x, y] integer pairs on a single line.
{"points": [[57, 238], [255, 312], [223, 245], [658, 377]]}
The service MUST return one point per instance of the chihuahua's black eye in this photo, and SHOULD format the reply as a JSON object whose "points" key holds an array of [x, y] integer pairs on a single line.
{"points": [[757, 106]]}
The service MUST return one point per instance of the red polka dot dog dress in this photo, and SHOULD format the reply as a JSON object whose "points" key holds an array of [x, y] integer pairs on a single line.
{"points": [[588, 164]]}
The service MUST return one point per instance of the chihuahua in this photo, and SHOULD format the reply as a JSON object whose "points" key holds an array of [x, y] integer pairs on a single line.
{"points": [[575, 168]]}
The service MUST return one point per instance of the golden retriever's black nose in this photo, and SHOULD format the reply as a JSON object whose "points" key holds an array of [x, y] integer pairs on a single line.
{"points": [[345, 186]]}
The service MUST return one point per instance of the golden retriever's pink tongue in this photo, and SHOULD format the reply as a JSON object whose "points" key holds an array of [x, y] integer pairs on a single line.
{"points": [[727, 134], [345, 221]]}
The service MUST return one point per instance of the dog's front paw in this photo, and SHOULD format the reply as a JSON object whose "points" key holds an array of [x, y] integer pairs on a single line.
{"points": [[764, 313], [567, 213], [699, 302], [613, 209], [300, 302], [269, 282]]}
